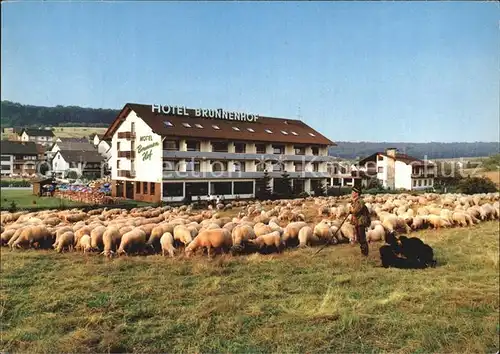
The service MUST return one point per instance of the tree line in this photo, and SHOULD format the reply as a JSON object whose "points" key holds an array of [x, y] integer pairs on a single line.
{"points": [[15, 114]]}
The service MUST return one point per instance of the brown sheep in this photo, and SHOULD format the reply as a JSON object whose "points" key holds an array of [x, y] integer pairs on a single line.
{"points": [[65, 241], [241, 234], [213, 238], [271, 239], [307, 237]]}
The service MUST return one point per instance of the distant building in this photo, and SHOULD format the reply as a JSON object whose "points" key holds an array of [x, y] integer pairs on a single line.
{"points": [[18, 159], [39, 136], [69, 145], [84, 163], [398, 171]]}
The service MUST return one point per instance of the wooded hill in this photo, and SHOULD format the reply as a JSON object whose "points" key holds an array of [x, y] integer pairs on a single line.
{"points": [[19, 115]]}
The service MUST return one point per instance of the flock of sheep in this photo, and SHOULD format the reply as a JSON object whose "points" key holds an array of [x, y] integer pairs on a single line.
{"points": [[256, 226]]}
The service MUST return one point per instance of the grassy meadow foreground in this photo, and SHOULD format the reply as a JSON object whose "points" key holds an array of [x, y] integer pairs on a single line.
{"points": [[293, 302]]}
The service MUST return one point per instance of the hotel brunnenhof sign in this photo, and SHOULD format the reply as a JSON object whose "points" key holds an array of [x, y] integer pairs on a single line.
{"points": [[204, 113]]}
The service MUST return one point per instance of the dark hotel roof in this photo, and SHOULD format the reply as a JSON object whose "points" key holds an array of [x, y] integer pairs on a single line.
{"points": [[265, 129]]}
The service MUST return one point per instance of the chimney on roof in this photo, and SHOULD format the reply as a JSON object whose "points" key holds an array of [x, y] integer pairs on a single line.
{"points": [[391, 152]]}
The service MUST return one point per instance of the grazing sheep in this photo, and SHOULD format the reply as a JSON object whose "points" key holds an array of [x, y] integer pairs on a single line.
{"points": [[323, 230], [271, 239], [291, 232], [85, 244], [110, 238], [31, 235], [213, 238], [183, 234], [377, 234], [167, 244], [241, 234], [65, 241], [96, 237], [307, 237], [132, 240]]}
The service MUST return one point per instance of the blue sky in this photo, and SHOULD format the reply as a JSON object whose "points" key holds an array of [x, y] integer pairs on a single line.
{"points": [[381, 71]]}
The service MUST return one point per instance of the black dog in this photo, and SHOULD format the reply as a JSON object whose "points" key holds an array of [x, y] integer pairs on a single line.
{"points": [[406, 253]]}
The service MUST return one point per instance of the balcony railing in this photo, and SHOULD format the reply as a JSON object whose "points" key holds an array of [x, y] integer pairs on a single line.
{"points": [[126, 135], [127, 154], [126, 173]]}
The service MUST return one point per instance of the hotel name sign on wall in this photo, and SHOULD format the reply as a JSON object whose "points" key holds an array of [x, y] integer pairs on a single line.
{"points": [[203, 113]]}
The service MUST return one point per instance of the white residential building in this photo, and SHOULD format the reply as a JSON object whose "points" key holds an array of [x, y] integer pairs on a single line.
{"points": [[398, 171], [39, 136]]}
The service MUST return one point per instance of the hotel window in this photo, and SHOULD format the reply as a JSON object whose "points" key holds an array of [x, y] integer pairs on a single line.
{"points": [[277, 167], [284, 132], [261, 167], [198, 126], [239, 166], [219, 166], [219, 147], [152, 191], [269, 131], [299, 166], [221, 188], [419, 182], [261, 148], [278, 149], [193, 145], [168, 124], [118, 146], [118, 164], [173, 189], [193, 166], [299, 150], [311, 134], [216, 127], [251, 130], [243, 188], [380, 157], [236, 128], [315, 167], [169, 165], [187, 125], [138, 187], [239, 148], [380, 170], [132, 127], [144, 187], [315, 150], [172, 145], [294, 133]]}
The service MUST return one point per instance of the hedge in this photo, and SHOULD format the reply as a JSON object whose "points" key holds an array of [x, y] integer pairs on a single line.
{"points": [[15, 183]]}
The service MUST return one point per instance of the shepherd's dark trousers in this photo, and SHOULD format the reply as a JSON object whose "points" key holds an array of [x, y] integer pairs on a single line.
{"points": [[361, 236]]}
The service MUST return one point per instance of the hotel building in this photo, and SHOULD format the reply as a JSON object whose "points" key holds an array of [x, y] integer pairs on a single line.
{"points": [[164, 153]]}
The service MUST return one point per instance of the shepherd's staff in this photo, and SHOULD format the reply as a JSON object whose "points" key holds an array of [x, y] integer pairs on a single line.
{"points": [[330, 240]]}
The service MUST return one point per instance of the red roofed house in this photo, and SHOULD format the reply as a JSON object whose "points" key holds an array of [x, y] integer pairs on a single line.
{"points": [[165, 153], [398, 171]]}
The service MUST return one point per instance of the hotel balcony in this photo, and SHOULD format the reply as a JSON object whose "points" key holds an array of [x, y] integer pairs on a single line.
{"points": [[170, 154], [178, 175], [126, 135], [126, 173], [127, 154]]}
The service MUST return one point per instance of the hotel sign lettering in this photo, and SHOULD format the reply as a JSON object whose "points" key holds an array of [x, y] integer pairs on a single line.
{"points": [[204, 113], [146, 150]]}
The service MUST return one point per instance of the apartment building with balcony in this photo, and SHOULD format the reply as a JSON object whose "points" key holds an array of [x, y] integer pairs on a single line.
{"points": [[157, 155], [398, 171], [18, 159]]}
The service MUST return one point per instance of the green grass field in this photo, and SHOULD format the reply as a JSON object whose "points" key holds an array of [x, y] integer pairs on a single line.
{"points": [[24, 198], [294, 302]]}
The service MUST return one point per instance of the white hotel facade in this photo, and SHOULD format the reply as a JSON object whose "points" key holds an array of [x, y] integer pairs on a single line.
{"points": [[165, 153]]}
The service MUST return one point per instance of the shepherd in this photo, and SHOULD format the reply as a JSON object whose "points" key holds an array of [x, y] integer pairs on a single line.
{"points": [[360, 219]]}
